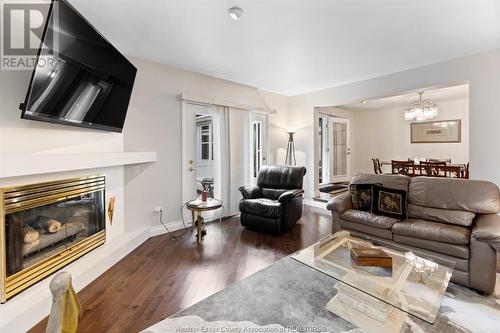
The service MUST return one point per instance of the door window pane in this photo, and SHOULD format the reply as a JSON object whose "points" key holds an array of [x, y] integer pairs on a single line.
{"points": [[339, 149], [205, 141]]}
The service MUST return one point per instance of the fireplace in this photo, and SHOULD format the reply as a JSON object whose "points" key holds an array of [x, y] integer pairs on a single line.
{"points": [[46, 226]]}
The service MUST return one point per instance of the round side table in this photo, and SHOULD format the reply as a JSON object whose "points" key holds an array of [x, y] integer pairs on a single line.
{"points": [[197, 207]]}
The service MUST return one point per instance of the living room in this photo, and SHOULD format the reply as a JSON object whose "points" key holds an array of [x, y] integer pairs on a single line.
{"points": [[243, 65]]}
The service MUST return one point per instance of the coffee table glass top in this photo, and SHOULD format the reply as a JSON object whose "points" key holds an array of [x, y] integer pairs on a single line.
{"points": [[403, 286]]}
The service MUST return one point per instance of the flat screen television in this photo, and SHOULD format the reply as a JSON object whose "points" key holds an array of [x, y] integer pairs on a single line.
{"points": [[85, 81]]}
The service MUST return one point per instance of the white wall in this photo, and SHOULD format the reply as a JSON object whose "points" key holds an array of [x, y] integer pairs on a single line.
{"points": [[482, 73], [154, 124], [385, 134], [278, 123]]}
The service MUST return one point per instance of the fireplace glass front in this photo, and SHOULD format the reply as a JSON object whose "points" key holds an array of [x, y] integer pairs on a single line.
{"points": [[36, 234], [47, 226]]}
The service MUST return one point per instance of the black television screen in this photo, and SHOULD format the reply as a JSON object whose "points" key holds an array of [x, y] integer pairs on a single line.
{"points": [[83, 81]]}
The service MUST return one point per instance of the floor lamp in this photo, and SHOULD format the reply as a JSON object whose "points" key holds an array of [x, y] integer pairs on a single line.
{"points": [[290, 149]]}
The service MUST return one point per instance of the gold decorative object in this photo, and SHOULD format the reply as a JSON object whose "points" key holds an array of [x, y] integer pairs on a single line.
{"points": [[111, 209], [66, 309]]}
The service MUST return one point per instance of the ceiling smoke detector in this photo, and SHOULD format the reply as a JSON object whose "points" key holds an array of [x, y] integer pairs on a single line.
{"points": [[235, 13]]}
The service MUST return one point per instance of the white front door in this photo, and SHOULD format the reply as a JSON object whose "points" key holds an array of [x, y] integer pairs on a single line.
{"points": [[339, 150], [198, 141]]}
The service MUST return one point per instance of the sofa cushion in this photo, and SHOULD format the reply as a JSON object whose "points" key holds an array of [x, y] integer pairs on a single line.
{"points": [[455, 250], [389, 202], [458, 217], [369, 219], [475, 196], [398, 182], [361, 196], [262, 207], [435, 231], [366, 229]]}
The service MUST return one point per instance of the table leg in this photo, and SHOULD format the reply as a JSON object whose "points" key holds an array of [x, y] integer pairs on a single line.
{"points": [[199, 222], [192, 220]]}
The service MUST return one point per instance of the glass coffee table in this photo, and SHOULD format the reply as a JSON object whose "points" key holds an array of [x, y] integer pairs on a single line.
{"points": [[378, 299]]}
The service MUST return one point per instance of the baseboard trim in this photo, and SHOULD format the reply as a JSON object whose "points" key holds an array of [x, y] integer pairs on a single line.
{"points": [[158, 230]]}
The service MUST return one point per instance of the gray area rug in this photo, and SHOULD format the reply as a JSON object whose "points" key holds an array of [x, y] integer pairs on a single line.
{"points": [[291, 296]]}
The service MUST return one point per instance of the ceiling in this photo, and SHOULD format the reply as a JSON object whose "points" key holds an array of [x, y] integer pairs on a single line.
{"points": [[436, 95], [297, 46]]}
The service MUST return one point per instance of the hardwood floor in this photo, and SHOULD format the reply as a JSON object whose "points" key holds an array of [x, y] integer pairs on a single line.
{"points": [[163, 276]]}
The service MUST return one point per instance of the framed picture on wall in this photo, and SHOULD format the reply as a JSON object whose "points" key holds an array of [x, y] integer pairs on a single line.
{"points": [[442, 131]]}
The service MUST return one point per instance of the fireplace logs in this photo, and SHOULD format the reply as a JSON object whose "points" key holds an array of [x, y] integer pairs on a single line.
{"points": [[44, 222], [48, 239], [30, 234]]}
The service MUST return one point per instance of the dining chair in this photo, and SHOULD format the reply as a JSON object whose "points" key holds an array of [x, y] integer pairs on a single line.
{"points": [[403, 167], [377, 166], [433, 169], [465, 172]]}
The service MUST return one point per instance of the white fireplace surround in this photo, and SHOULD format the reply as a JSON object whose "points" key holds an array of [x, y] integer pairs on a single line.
{"points": [[24, 310]]}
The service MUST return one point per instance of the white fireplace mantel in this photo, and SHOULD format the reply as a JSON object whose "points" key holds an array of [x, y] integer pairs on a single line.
{"points": [[34, 164]]}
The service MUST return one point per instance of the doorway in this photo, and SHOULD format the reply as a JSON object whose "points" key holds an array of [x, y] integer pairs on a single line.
{"points": [[335, 151], [259, 143], [200, 144], [223, 148], [333, 154]]}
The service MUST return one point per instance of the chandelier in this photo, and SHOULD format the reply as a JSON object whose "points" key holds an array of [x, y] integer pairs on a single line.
{"points": [[421, 110]]}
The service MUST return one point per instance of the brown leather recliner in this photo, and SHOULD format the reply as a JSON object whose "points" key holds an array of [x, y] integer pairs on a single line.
{"points": [[448, 220], [275, 204]]}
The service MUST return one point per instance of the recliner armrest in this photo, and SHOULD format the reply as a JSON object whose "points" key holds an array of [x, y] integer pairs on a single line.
{"points": [[340, 203], [250, 192], [487, 229], [290, 195]]}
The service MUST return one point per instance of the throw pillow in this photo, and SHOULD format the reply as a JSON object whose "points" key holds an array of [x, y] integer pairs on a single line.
{"points": [[361, 196], [389, 202]]}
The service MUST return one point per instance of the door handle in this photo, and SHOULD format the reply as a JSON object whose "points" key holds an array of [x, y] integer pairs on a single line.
{"points": [[192, 169]]}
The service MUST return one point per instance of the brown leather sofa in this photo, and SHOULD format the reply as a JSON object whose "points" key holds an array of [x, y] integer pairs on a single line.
{"points": [[448, 220]]}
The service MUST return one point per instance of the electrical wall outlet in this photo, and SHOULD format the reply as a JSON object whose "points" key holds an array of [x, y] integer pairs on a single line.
{"points": [[158, 210]]}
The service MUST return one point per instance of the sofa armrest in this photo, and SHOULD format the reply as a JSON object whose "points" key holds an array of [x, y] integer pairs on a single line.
{"points": [[487, 229], [290, 195], [340, 203], [250, 192]]}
